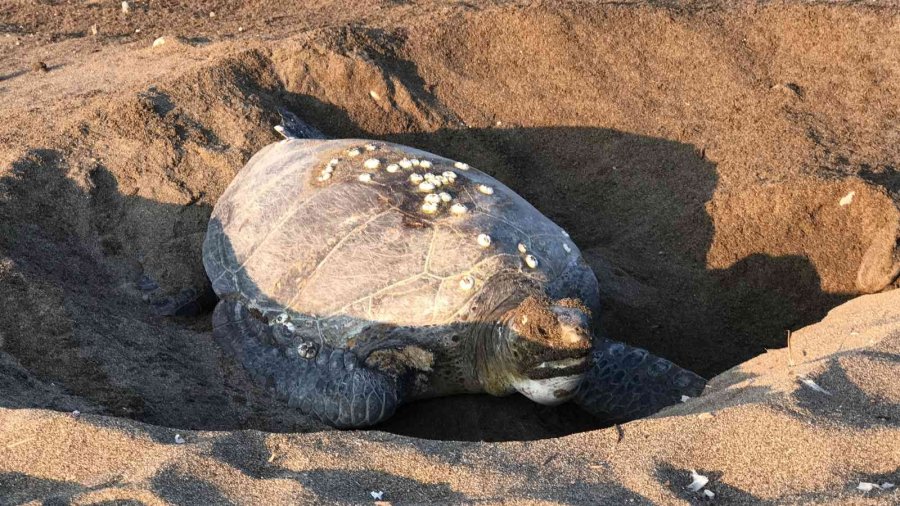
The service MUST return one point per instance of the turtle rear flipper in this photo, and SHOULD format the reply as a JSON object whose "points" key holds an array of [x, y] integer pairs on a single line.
{"points": [[292, 127], [329, 384], [625, 382]]}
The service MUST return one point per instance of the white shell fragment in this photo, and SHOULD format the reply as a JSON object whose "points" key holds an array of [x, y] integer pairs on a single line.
{"points": [[433, 198], [814, 386], [372, 163], [461, 166], [178, 439], [376, 494], [392, 168], [353, 152], [847, 199], [406, 164], [467, 282], [567, 248], [484, 240], [459, 208], [445, 197], [522, 249], [365, 177], [685, 398], [565, 234], [416, 178], [866, 486], [709, 494], [699, 482], [887, 485], [429, 207], [531, 261], [425, 164], [485, 189], [425, 186]]}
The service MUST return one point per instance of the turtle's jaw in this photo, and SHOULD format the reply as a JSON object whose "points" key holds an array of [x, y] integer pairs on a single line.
{"points": [[563, 367], [549, 391]]}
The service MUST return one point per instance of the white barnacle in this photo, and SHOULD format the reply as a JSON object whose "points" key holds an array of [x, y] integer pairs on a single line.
{"points": [[429, 207], [415, 178], [484, 240], [334, 161], [281, 318], [370, 147], [405, 163], [461, 166], [372, 163], [450, 175], [328, 169], [353, 152], [445, 197], [458, 208], [433, 198], [531, 261], [415, 162], [485, 189], [565, 234], [425, 164], [567, 248], [428, 177], [442, 179], [522, 248], [425, 186], [467, 282], [392, 168], [325, 176], [365, 177]]}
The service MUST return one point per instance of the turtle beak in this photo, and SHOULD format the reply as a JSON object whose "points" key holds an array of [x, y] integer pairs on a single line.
{"points": [[575, 327], [569, 353]]}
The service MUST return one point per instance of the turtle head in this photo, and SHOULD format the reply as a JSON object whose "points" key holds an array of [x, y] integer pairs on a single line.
{"points": [[544, 349]]}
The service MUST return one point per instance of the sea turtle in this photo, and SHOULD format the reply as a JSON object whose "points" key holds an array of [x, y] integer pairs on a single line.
{"points": [[357, 275]]}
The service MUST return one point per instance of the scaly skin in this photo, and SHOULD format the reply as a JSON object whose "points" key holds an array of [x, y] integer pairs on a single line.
{"points": [[334, 386], [625, 382]]}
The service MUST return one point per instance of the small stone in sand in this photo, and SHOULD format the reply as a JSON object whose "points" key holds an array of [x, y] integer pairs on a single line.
{"points": [[39, 66], [126, 8]]}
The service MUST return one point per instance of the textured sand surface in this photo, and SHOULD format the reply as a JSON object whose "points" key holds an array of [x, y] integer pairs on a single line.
{"points": [[730, 172]]}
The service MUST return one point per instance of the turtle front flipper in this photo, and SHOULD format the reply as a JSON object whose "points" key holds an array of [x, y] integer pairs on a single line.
{"points": [[625, 382], [332, 385]]}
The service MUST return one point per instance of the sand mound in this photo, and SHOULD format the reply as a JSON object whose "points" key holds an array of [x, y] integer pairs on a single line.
{"points": [[729, 173]]}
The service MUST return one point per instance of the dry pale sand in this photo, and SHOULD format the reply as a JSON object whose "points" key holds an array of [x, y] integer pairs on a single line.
{"points": [[730, 171]]}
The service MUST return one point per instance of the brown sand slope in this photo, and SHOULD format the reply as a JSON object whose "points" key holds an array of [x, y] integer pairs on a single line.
{"points": [[698, 153]]}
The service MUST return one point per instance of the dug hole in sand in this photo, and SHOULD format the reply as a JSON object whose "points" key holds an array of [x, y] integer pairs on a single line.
{"points": [[729, 173]]}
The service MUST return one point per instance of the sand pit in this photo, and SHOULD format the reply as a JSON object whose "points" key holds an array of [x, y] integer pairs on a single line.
{"points": [[730, 174]]}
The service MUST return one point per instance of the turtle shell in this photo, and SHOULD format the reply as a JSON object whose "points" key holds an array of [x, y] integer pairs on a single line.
{"points": [[378, 232]]}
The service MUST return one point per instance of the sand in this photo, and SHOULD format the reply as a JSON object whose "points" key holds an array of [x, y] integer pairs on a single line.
{"points": [[730, 171]]}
